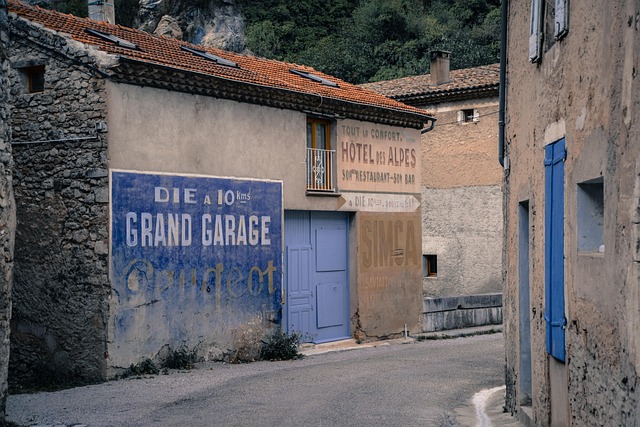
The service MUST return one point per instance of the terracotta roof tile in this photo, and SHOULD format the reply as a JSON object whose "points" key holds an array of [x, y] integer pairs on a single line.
{"points": [[483, 77], [168, 53]]}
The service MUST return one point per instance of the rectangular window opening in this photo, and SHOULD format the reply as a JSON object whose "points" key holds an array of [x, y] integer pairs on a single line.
{"points": [[320, 156], [469, 115], [429, 265], [34, 77], [591, 215]]}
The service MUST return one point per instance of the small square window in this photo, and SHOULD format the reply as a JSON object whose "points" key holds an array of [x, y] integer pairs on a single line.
{"points": [[429, 265], [34, 78], [591, 216], [468, 116]]}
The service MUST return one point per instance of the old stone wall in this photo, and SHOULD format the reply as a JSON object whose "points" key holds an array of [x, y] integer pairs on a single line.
{"points": [[61, 285], [585, 90], [7, 209]]}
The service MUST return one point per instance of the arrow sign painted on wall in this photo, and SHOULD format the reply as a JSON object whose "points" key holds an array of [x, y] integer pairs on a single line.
{"points": [[374, 202]]}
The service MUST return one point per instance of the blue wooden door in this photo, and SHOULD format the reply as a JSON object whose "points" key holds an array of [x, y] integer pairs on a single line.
{"points": [[317, 304], [329, 234], [555, 155]]}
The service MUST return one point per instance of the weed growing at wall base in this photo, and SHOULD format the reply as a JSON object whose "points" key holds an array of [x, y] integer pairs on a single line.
{"points": [[182, 358], [281, 346]]}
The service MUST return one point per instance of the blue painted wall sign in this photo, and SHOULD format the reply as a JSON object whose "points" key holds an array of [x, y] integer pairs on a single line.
{"points": [[194, 255]]}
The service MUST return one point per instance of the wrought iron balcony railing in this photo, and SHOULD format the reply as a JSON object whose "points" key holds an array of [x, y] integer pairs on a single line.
{"points": [[320, 170]]}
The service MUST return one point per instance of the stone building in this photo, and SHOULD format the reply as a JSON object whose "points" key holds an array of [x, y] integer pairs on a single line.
{"points": [[461, 192], [572, 212], [7, 210], [171, 196]]}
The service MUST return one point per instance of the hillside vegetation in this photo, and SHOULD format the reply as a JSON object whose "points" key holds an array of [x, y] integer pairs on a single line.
{"points": [[356, 40]]}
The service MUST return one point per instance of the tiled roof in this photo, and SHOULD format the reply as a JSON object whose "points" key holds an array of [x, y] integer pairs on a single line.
{"points": [[167, 53], [468, 82]]}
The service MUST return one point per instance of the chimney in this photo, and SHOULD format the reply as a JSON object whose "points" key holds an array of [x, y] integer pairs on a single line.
{"points": [[440, 67], [102, 10]]}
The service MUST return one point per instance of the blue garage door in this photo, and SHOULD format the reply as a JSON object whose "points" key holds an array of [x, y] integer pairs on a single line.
{"points": [[316, 266]]}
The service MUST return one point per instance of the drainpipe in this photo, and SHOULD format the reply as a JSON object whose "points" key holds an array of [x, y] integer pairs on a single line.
{"points": [[503, 66]]}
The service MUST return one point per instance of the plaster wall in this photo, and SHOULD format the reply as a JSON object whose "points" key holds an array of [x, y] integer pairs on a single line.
{"points": [[584, 89], [462, 226], [462, 200], [458, 154], [387, 292], [163, 131]]}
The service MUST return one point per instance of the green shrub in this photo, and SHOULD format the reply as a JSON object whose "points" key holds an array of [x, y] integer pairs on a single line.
{"points": [[182, 358], [281, 346]]}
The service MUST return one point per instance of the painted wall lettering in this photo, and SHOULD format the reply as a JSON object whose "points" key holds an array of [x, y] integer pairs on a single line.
{"points": [[378, 158], [198, 241], [388, 243]]}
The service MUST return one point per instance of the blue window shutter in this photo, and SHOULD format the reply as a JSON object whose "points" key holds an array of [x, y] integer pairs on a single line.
{"points": [[555, 154], [561, 20], [535, 31]]}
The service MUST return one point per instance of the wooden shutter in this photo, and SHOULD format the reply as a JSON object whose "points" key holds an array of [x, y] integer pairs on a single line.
{"points": [[561, 24], [535, 32], [555, 155]]}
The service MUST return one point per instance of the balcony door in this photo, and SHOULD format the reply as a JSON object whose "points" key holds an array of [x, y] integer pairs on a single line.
{"points": [[319, 154]]}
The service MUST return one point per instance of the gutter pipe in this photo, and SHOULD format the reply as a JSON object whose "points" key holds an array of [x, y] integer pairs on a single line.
{"points": [[503, 66]]}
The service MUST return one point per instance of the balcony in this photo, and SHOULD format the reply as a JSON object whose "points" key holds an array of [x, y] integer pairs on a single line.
{"points": [[320, 170]]}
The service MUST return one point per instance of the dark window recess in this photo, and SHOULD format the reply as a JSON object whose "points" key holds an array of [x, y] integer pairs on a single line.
{"points": [[468, 115], [35, 78], [210, 56], [429, 265], [313, 77], [111, 38]]}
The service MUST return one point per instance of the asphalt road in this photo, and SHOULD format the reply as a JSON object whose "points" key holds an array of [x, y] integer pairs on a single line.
{"points": [[418, 384]]}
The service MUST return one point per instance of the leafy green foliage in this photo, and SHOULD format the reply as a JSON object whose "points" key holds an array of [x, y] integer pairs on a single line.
{"points": [[182, 358], [371, 40], [281, 346]]}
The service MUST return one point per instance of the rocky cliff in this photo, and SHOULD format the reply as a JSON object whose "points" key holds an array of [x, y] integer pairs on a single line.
{"points": [[215, 23]]}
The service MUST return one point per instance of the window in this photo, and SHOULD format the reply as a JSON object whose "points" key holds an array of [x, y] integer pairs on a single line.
{"points": [[211, 57], [313, 77], [318, 134], [429, 265], [549, 22], [111, 38], [468, 116], [591, 215], [34, 78], [320, 156]]}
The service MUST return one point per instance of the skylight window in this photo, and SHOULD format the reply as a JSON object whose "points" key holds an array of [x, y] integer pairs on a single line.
{"points": [[211, 57], [111, 38], [313, 77]]}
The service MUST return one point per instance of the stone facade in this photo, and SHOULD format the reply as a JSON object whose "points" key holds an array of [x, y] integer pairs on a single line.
{"points": [[61, 290], [7, 210], [584, 90]]}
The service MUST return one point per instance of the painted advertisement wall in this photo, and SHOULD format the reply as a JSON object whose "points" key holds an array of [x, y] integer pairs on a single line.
{"points": [[389, 285], [192, 258], [378, 158]]}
